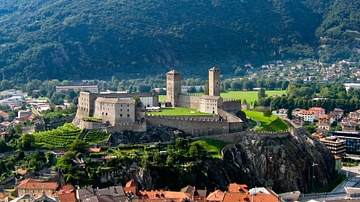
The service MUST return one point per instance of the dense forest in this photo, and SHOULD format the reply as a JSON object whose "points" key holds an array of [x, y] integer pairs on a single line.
{"points": [[82, 39]]}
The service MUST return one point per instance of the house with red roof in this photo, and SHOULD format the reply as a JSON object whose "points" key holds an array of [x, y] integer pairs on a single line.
{"points": [[36, 187]]}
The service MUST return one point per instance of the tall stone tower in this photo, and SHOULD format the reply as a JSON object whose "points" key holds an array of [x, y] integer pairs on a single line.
{"points": [[173, 87], [214, 82]]}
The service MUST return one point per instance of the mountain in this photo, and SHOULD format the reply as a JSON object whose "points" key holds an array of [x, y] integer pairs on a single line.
{"points": [[83, 39]]}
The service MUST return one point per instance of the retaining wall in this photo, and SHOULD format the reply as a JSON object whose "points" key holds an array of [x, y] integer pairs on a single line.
{"points": [[196, 126]]}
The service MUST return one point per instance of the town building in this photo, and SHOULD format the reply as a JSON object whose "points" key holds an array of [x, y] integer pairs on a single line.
{"points": [[351, 85], [36, 187], [89, 88], [14, 101], [307, 116], [352, 141], [4, 115], [338, 112], [335, 145], [349, 125], [318, 112], [241, 193]]}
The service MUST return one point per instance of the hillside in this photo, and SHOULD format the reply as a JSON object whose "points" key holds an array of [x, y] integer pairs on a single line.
{"points": [[68, 39]]}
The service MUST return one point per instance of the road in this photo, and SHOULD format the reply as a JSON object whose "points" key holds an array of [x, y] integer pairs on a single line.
{"points": [[352, 180]]}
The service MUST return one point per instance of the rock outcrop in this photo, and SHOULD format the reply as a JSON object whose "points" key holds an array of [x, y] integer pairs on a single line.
{"points": [[256, 160], [285, 163]]}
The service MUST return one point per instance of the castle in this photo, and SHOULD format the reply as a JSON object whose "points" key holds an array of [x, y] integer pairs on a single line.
{"points": [[115, 112], [204, 103]]}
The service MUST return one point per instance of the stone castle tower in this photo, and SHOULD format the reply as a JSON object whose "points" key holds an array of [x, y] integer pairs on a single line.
{"points": [[214, 82], [173, 87]]}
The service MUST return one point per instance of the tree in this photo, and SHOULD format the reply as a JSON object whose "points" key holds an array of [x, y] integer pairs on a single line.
{"points": [[261, 94], [138, 102], [27, 142], [193, 150], [267, 113], [3, 145], [78, 146]]}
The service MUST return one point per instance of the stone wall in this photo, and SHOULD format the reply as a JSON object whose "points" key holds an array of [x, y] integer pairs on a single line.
{"points": [[137, 127], [196, 126], [231, 105], [91, 125], [189, 101]]}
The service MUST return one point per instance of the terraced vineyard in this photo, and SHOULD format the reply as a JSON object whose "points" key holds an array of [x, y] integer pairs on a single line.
{"points": [[93, 137], [60, 137]]}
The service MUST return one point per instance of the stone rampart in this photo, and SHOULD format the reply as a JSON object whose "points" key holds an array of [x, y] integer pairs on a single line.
{"points": [[137, 127], [231, 105], [192, 125], [91, 125]]}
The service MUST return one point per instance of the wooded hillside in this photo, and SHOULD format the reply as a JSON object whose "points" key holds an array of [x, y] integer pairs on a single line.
{"points": [[83, 39]]}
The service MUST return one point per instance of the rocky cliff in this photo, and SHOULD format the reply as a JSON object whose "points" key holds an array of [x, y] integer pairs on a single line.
{"points": [[256, 160]]}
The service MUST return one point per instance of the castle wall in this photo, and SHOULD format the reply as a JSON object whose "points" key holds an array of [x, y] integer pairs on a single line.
{"points": [[231, 105], [189, 101], [193, 125], [236, 127], [91, 125], [137, 127]]}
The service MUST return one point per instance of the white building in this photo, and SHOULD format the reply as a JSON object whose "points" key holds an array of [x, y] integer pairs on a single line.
{"points": [[14, 101], [351, 85], [307, 115]]}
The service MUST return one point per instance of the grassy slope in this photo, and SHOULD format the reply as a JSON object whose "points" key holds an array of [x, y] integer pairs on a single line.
{"points": [[272, 123], [212, 146]]}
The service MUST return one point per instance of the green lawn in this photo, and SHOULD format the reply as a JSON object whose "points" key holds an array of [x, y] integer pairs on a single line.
{"points": [[178, 112], [211, 146], [272, 123], [249, 96], [162, 98]]}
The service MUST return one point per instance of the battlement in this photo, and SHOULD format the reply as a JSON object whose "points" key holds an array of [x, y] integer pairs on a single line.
{"points": [[194, 118], [230, 100]]}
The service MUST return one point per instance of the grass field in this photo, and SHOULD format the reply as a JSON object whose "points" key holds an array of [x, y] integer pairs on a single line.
{"points": [[211, 146], [272, 123], [178, 112], [249, 96]]}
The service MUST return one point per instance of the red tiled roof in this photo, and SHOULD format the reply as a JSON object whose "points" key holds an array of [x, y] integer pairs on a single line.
{"points": [[3, 196], [337, 157], [95, 150], [65, 189], [6, 123], [234, 187], [131, 183], [165, 195], [30, 184], [316, 109], [68, 197], [216, 196], [306, 112]]}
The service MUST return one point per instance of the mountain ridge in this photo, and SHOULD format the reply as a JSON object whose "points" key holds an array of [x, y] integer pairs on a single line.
{"points": [[84, 40]]}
